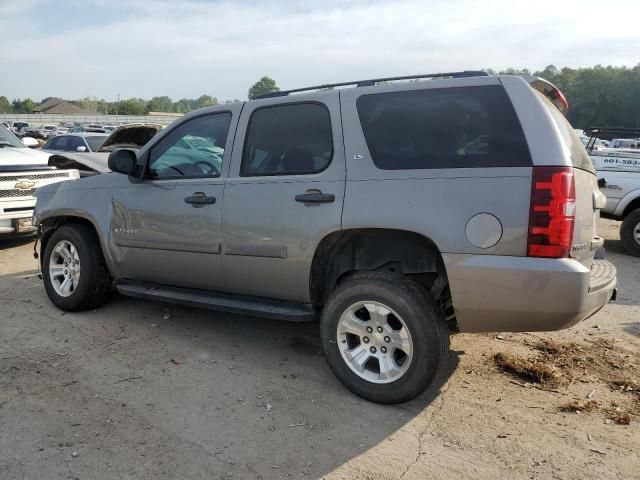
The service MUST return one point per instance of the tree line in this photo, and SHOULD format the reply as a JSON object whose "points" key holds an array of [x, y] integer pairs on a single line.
{"points": [[603, 96]]}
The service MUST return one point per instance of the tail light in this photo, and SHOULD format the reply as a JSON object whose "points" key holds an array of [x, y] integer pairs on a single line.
{"points": [[552, 213]]}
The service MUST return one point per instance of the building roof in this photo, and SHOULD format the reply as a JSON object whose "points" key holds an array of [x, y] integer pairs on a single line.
{"points": [[61, 107]]}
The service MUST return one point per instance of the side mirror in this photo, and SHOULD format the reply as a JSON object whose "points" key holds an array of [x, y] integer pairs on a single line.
{"points": [[602, 183], [122, 161], [30, 142], [81, 149]]}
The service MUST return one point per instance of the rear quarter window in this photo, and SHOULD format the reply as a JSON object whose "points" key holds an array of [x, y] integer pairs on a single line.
{"points": [[458, 127], [579, 156]]}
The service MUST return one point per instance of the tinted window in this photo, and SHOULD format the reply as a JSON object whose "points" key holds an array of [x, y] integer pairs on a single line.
{"points": [[288, 140], [74, 143], [193, 149], [443, 128], [59, 143]]}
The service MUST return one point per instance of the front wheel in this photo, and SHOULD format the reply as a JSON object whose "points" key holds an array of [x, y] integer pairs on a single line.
{"points": [[630, 232], [73, 269], [383, 336]]}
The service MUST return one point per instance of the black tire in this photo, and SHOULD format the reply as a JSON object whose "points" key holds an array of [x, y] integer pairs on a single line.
{"points": [[94, 283], [630, 225], [422, 317]]}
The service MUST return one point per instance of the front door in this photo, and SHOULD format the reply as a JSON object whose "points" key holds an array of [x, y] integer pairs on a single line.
{"points": [[166, 229], [284, 194]]}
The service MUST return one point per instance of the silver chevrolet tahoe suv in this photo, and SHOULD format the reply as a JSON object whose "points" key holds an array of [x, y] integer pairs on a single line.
{"points": [[392, 211]]}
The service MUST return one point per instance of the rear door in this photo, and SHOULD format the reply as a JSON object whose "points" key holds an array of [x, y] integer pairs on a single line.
{"points": [[284, 194]]}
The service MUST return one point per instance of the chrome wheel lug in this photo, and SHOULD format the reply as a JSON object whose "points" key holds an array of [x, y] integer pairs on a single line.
{"points": [[383, 349], [379, 329], [365, 339], [387, 339], [369, 329], [373, 350]]}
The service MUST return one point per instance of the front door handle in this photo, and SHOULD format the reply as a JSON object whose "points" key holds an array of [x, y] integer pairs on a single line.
{"points": [[314, 196], [199, 200]]}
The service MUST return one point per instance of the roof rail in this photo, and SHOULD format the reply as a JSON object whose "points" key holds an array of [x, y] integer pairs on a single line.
{"points": [[373, 81]]}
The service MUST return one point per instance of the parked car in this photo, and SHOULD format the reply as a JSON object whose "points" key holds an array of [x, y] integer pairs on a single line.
{"points": [[385, 211], [132, 136], [17, 126], [625, 143], [22, 170], [619, 172], [75, 142], [85, 129]]}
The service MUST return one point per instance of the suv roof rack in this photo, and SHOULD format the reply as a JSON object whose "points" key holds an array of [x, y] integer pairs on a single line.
{"points": [[373, 81]]}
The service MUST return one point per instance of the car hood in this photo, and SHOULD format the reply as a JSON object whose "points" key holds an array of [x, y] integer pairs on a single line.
{"points": [[11, 157], [87, 163], [133, 136]]}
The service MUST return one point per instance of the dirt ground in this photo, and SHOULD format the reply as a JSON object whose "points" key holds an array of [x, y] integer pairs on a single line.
{"points": [[146, 391]]}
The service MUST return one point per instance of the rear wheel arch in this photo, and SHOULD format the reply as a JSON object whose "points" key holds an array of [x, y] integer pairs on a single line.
{"points": [[346, 252], [633, 205]]}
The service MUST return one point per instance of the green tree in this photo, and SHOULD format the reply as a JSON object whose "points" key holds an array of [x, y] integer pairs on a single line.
{"points": [[5, 105], [262, 86], [132, 106], [160, 104], [206, 101], [23, 106]]}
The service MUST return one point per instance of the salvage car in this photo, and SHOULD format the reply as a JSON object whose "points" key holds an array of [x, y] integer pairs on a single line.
{"points": [[131, 136], [619, 172], [75, 142], [22, 170], [389, 211]]}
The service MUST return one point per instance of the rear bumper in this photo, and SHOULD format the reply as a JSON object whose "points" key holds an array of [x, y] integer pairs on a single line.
{"points": [[514, 294]]}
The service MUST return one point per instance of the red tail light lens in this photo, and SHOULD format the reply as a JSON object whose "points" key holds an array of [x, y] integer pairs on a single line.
{"points": [[553, 212]]}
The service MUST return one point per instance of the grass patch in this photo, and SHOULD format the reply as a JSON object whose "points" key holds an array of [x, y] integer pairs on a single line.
{"points": [[578, 406], [532, 370]]}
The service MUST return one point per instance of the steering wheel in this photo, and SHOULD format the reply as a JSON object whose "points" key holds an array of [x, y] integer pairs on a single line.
{"points": [[212, 167]]}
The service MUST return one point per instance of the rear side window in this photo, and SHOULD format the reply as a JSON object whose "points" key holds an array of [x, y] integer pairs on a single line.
{"points": [[579, 156], [292, 139], [443, 128]]}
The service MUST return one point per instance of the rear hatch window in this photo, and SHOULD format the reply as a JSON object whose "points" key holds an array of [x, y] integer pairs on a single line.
{"points": [[579, 156], [458, 127]]}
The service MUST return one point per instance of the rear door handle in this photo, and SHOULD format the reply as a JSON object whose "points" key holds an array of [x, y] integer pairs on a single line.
{"points": [[199, 199], [315, 197]]}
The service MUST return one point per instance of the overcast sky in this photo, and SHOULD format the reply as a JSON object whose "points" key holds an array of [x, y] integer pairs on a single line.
{"points": [[186, 48]]}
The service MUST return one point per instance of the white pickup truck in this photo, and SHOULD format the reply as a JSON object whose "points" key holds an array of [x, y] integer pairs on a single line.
{"points": [[619, 179], [22, 170]]}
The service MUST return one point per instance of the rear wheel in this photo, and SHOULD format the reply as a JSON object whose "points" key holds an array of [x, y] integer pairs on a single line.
{"points": [[630, 232], [383, 336], [73, 269]]}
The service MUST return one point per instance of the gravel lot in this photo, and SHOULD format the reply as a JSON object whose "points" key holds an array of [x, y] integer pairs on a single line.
{"points": [[144, 390]]}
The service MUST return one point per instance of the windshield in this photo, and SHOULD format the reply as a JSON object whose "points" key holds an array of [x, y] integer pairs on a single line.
{"points": [[8, 139], [95, 141]]}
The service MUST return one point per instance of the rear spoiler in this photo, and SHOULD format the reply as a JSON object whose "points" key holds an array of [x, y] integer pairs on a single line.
{"points": [[549, 90]]}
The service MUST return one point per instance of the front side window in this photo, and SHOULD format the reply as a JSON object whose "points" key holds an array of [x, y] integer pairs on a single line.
{"points": [[293, 139], [60, 143], [443, 128], [74, 143], [193, 149]]}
